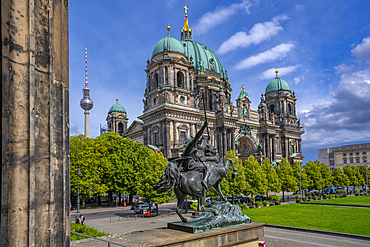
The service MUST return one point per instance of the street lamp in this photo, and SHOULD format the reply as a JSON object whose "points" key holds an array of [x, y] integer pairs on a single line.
{"points": [[367, 182], [78, 190], [300, 182]]}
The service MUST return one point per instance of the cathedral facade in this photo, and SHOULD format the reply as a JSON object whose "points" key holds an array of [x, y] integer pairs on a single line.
{"points": [[186, 84]]}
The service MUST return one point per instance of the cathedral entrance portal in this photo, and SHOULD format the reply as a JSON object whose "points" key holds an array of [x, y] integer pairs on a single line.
{"points": [[246, 147]]}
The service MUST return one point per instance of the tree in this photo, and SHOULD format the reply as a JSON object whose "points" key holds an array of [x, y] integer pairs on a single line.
{"points": [[363, 173], [325, 174], [273, 183], [83, 153], [300, 175], [255, 176], [339, 178], [351, 175], [359, 176], [286, 176], [150, 172], [315, 180], [238, 185]]}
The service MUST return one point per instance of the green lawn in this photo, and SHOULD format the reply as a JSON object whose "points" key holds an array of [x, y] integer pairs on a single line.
{"points": [[328, 218], [351, 200]]}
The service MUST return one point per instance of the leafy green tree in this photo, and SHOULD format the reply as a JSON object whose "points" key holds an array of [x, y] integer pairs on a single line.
{"points": [[315, 180], [83, 154], [359, 176], [286, 177], [339, 178], [255, 176], [238, 185], [325, 174], [302, 176], [351, 175], [153, 166], [273, 183], [363, 173]]}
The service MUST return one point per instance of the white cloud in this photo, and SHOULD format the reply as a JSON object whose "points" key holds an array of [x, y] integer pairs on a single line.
{"points": [[299, 7], [278, 52], [73, 129], [343, 68], [270, 73], [345, 118], [212, 19], [362, 50], [258, 33]]}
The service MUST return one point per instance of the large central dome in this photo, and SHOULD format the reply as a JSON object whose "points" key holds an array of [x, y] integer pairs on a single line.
{"points": [[203, 58]]}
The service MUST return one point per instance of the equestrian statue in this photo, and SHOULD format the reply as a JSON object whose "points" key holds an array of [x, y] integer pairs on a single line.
{"points": [[194, 173]]}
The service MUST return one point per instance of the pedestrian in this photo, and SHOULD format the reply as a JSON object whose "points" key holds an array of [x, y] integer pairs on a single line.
{"points": [[81, 219], [76, 220]]}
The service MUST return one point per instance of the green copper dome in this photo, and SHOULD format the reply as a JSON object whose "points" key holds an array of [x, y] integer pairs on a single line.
{"points": [[277, 84], [170, 43], [117, 107], [203, 57]]}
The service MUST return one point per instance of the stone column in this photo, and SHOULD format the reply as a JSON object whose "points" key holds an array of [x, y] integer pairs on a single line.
{"points": [[273, 150], [145, 135], [174, 133], [299, 146], [233, 139], [224, 150], [167, 139], [287, 147], [267, 141], [35, 123]]}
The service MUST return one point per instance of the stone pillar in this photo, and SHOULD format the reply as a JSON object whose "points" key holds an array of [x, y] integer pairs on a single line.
{"points": [[35, 123], [286, 147], [145, 135], [299, 146], [267, 141], [174, 133], [273, 147], [224, 150], [233, 139], [167, 139]]}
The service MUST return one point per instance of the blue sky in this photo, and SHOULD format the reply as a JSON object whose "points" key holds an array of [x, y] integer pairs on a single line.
{"points": [[321, 48]]}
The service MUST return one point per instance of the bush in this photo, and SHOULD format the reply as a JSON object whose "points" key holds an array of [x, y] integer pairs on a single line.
{"points": [[305, 199], [315, 198], [331, 196], [336, 196], [258, 204], [277, 198], [297, 196], [244, 206], [252, 199], [271, 197], [194, 206], [308, 194], [84, 229], [357, 191], [266, 203]]}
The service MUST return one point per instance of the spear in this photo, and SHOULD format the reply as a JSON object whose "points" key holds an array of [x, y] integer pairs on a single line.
{"points": [[205, 115]]}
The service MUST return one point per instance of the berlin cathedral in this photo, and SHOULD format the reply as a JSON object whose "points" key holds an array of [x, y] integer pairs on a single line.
{"points": [[185, 83]]}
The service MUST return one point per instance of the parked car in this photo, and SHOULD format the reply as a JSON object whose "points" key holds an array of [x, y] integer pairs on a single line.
{"points": [[261, 198], [189, 203], [139, 209]]}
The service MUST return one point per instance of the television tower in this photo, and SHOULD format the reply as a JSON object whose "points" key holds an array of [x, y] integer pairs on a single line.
{"points": [[86, 103]]}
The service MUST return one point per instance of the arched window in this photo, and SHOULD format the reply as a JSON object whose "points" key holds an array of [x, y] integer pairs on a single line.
{"points": [[180, 79], [290, 108], [120, 128], [166, 75], [272, 107]]}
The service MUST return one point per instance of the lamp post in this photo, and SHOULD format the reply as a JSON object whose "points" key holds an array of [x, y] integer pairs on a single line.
{"points": [[78, 190], [367, 182], [300, 182]]}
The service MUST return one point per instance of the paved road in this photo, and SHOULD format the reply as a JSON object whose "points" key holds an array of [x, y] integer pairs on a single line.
{"points": [[123, 212], [280, 237]]}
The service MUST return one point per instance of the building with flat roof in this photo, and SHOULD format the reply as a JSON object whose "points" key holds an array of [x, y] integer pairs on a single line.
{"points": [[353, 155]]}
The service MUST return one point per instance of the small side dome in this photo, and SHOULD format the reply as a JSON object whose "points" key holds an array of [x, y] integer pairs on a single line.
{"points": [[117, 107], [171, 44], [277, 84]]}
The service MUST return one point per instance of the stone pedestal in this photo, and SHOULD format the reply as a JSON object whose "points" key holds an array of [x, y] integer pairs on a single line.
{"points": [[34, 123], [243, 235]]}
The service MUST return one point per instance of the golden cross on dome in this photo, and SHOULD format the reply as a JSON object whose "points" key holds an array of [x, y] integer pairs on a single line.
{"points": [[243, 87], [186, 9], [276, 72]]}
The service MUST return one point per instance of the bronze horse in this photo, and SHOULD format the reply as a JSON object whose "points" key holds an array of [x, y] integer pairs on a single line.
{"points": [[189, 183]]}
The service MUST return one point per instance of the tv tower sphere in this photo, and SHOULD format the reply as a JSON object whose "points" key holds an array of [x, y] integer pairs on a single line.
{"points": [[86, 103]]}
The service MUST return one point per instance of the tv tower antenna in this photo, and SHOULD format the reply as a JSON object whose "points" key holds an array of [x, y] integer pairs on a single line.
{"points": [[86, 103]]}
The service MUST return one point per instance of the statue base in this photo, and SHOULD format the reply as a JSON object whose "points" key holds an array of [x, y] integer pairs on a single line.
{"points": [[228, 215]]}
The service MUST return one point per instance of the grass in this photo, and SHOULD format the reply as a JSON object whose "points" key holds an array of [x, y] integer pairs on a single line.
{"points": [[328, 218], [84, 229], [351, 200]]}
